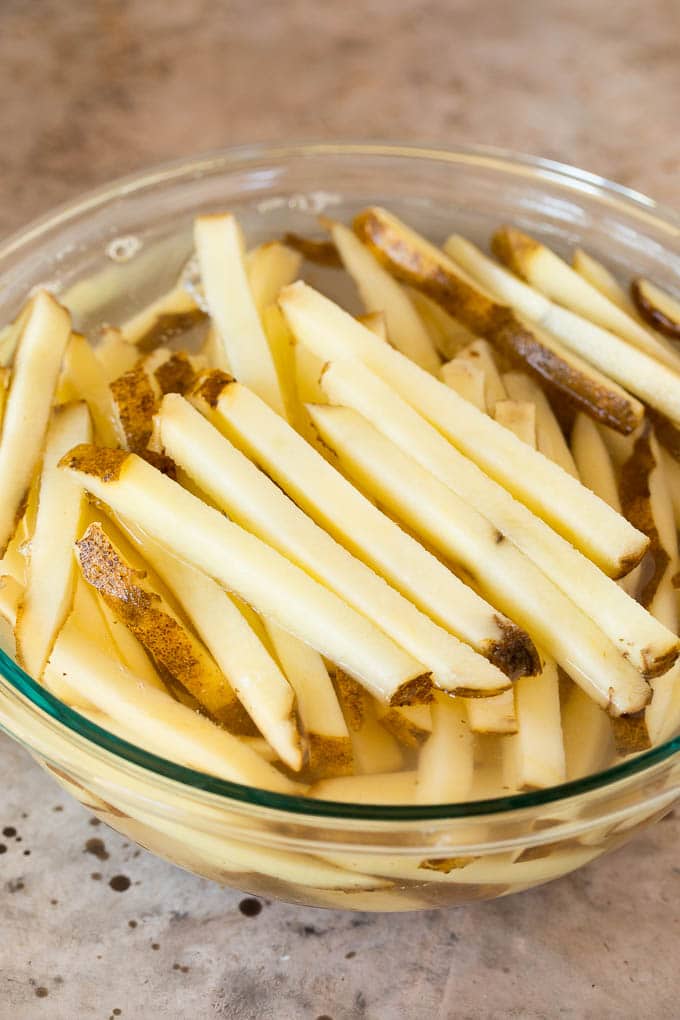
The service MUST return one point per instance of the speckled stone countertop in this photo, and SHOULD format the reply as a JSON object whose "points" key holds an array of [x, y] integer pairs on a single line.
{"points": [[92, 927]]}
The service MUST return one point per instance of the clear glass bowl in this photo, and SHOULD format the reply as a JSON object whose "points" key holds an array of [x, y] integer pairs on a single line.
{"points": [[110, 252]]}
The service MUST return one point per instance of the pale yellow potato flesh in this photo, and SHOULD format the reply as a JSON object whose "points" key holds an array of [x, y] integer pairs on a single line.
{"points": [[593, 462], [84, 378], [480, 352], [549, 436], [446, 761], [269, 267], [467, 379]]}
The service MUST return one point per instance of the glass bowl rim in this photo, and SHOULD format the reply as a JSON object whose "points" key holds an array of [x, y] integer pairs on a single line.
{"points": [[201, 782]]}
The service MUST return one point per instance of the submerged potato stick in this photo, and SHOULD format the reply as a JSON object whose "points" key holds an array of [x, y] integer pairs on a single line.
{"points": [[250, 568]]}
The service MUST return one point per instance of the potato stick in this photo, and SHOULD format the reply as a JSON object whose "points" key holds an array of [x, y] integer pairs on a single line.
{"points": [[282, 345], [270, 267], [375, 321], [648, 645], [257, 504], [467, 379], [245, 565], [495, 715], [587, 735], [672, 471], [593, 462], [659, 308], [502, 572], [328, 742], [446, 762], [235, 646], [447, 334], [410, 724], [499, 716], [85, 379], [534, 757], [412, 258], [322, 492], [480, 352], [46, 330], [641, 373], [155, 720], [168, 316], [51, 566], [11, 594], [549, 436], [550, 275], [115, 354], [520, 417], [174, 648], [544, 487], [599, 277], [381, 788], [219, 246], [374, 749], [380, 292]]}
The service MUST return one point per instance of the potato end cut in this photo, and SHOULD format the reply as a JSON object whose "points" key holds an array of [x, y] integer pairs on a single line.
{"points": [[417, 691], [514, 249], [655, 666], [630, 733], [515, 653], [658, 309], [210, 385], [322, 252], [98, 461]]}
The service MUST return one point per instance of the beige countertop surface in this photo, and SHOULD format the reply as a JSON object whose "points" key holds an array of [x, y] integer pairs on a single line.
{"points": [[92, 91]]}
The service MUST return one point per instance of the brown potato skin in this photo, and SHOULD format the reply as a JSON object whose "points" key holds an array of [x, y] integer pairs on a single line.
{"points": [[651, 313], [496, 322], [322, 252]]}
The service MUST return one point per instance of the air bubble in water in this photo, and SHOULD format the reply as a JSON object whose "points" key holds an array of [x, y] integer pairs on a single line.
{"points": [[122, 249]]}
